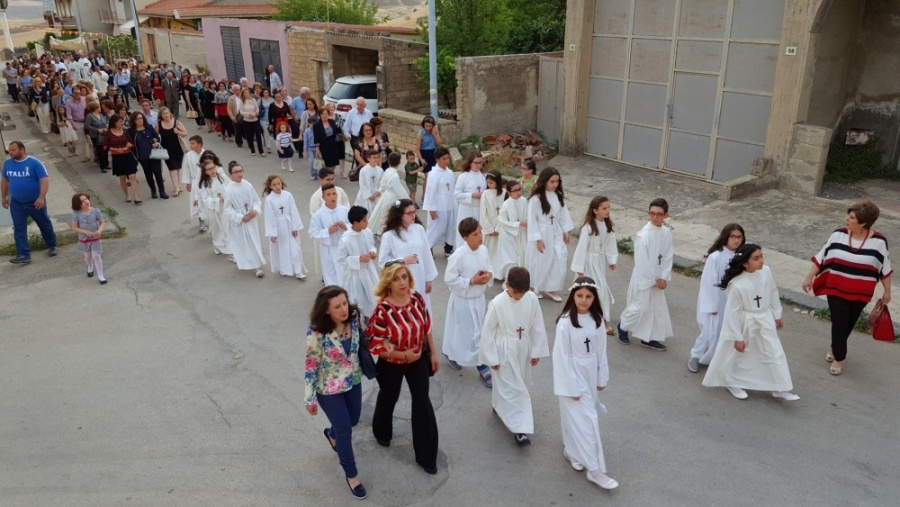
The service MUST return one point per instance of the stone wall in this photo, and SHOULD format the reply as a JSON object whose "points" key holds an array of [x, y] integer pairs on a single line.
{"points": [[403, 127], [308, 58], [806, 159], [497, 93], [400, 84]]}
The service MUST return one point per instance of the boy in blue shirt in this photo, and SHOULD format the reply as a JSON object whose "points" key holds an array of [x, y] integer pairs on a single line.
{"points": [[309, 148]]}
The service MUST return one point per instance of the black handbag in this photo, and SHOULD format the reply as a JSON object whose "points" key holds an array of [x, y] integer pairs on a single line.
{"points": [[366, 361], [54, 128]]}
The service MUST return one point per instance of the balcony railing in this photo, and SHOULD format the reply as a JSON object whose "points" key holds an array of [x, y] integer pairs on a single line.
{"points": [[112, 17]]}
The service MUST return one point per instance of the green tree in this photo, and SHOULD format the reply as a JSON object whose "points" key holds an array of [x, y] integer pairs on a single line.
{"points": [[118, 46], [446, 75], [354, 12], [473, 27], [538, 26]]}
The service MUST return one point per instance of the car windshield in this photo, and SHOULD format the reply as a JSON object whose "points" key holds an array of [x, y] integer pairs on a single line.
{"points": [[341, 90]]}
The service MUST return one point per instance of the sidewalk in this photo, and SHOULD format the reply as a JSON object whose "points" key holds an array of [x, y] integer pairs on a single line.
{"points": [[790, 228], [64, 179]]}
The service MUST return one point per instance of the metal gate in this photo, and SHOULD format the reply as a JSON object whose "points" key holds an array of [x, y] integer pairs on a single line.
{"points": [[264, 53], [551, 92], [234, 55], [684, 85]]}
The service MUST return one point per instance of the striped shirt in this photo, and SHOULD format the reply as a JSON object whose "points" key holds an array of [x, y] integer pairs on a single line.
{"points": [[851, 271], [404, 326]]}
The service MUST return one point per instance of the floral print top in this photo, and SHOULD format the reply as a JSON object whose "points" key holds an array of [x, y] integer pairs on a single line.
{"points": [[329, 370]]}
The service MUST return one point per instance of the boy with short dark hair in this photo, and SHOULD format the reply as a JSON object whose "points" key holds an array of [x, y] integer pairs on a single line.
{"points": [[468, 275], [513, 340], [326, 227], [412, 169], [646, 315], [440, 203], [356, 254], [326, 177]]}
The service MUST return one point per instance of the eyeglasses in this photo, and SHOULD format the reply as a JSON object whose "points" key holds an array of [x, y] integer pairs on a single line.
{"points": [[656, 214], [515, 190], [479, 162], [735, 237], [237, 171]]}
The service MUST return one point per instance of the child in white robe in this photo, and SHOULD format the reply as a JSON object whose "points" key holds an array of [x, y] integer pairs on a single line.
{"points": [[513, 340], [326, 177], [580, 372], [357, 255], [749, 354], [369, 180], [392, 189], [513, 230], [404, 239], [326, 228], [211, 191], [283, 226], [469, 188], [548, 226], [242, 207], [646, 313], [597, 251], [489, 217], [468, 276], [439, 203], [711, 299], [190, 176]]}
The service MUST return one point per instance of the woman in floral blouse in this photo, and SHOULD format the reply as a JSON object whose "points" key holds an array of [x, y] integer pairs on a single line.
{"points": [[399, 333], [333, 378]]}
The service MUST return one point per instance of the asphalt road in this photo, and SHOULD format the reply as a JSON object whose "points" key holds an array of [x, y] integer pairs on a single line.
{"points": [[179, 383]]}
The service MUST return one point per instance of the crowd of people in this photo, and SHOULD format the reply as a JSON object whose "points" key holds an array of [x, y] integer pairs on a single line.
{"points": [[376, 257]]}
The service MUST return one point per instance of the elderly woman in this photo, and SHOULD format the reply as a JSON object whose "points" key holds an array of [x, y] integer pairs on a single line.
{"points": [[846, 270], [333, 377], [400, 335], [96, 123]]}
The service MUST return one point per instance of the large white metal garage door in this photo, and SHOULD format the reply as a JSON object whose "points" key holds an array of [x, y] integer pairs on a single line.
{"points": [[684, 85]]}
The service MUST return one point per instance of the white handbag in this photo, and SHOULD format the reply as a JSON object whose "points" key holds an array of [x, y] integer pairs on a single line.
{"points": [[159, 154]]}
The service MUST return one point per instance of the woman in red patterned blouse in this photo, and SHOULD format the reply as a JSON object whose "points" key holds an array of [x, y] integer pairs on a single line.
{"points": [[399, 334]]}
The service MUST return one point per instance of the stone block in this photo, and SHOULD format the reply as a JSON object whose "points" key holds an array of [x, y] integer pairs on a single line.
{"points": [[812, 154], [455, 155], [812, 135], [805, 169]]}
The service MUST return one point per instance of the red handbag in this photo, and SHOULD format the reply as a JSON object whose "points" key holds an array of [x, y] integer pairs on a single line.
{"points": [[880, 323]]}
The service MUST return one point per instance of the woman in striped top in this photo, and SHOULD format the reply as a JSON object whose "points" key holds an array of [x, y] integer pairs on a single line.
{"points": [[400, 334], [846, 270]]}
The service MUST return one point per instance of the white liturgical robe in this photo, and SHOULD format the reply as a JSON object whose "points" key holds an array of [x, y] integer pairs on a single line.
{"points": [[243, 238], [646, 315]]}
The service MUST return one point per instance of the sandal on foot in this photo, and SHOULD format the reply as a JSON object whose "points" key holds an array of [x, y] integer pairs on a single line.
{"points": [[522, 440], [576, 465], [485, 373], [836, 370], [829, 356]]}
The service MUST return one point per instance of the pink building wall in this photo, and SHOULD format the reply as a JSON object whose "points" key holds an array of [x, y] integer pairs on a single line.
{"points": [[250, 29]]}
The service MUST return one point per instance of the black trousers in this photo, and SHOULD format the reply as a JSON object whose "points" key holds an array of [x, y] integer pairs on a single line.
{"points": [[100, 153], [153, 173], [253, 132], [227, 126], [13, 91], [239, 133], [424, 424], [844, 314]]}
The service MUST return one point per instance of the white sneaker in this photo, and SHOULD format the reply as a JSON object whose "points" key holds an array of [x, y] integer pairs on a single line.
{"points": [[601, 479], [576, 465], [301, 277], [291, 170], [786, 395], [737, 392], [260, 273]]}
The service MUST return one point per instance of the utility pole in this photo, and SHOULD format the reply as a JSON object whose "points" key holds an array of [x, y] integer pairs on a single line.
{"points": [[432, 60], [137, 29]]}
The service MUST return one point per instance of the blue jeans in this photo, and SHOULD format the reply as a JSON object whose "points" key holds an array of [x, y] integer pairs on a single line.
{"points": [[20, 212], [311, 157], [343, 413]]}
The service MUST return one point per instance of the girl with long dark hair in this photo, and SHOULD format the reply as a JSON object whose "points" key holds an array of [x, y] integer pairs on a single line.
{"points": [[548, 229], [597, 251], [404, 239]]}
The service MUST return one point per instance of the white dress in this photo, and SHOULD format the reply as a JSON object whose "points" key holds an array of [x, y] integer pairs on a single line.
{"points": [[360, 278], [490, 222], [646, 315], [579, 368], [392, 189], [548, 269], [751, 309], [513, 237], [468, 206], [211, 209], [710, 305], [243, 238], [332, 271], [593, 256], [465, 309], [439, 198], [282, 219], [369, 181], [190, 173], [513, 334], [413, 240]]}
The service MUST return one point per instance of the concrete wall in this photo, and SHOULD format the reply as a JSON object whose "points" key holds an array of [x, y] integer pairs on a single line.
{"points": [[401, 85], [250, 29], [497, 93], [403, 127], [806, 160], [349, 61], [184, 48]]}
